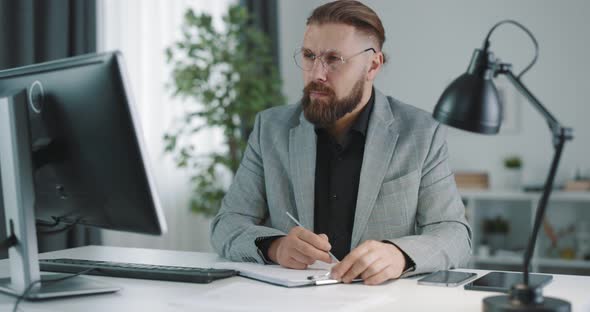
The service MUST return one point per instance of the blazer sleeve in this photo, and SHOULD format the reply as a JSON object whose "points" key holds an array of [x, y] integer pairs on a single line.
{"points": [[443, 236], [244, 208]]}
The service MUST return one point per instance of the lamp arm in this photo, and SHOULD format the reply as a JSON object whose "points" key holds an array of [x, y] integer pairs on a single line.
{"points": [[561, 134], [551, 120], [542, 206]]}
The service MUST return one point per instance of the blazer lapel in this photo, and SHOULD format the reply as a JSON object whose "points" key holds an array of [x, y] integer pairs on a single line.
{"points": [[379, 146], [302, 159]]}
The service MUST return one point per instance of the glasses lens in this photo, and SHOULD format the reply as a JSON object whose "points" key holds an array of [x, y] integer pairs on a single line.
{"points": [[332, 61], [304, 59]]}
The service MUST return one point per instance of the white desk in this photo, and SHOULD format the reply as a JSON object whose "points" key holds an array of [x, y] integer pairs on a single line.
{"points": [[241, 294]]}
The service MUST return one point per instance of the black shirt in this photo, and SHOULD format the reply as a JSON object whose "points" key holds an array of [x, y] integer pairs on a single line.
{"points": [[337, 175]]}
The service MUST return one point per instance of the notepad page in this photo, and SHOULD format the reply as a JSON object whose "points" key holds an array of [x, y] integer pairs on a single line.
{"points": [[277, 274]]}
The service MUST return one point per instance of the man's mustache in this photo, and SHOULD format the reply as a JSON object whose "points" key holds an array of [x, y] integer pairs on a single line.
{"points": [[317, 87]]}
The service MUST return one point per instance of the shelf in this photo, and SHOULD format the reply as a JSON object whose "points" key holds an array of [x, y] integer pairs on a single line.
{"points": [[498, 260], [519, 195], [582, 264], [564, 263], [565, 209]]}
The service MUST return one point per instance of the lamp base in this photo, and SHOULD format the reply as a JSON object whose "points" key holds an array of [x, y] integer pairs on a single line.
{"points": [[523, 298], [503, 303]]}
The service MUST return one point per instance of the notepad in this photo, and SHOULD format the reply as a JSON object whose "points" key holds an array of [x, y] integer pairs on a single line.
{"points": [[278, 275]]}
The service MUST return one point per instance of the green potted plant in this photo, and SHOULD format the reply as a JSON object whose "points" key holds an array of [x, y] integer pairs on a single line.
{"points": [[512, 176], [513, 162], [225, 77], [495, 231]]}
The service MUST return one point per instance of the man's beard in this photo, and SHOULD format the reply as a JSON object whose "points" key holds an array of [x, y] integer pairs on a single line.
{"points": [[324, 113]]}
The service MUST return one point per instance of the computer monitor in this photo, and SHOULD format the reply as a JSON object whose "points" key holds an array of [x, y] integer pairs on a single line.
{"points": [[71, 152]]}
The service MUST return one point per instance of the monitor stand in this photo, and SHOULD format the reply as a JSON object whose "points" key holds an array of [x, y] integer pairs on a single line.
{"points": [[58, 285], [18, 190]]}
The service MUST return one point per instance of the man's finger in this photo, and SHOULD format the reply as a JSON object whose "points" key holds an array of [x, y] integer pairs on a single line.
{"points": [[315, 240], [300, 257], [375, 268], [379, 278], [310, 251], [360, 265], [292, 263], [341, 268]]}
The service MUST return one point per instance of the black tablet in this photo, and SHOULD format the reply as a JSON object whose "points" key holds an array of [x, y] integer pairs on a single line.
{"points": [[502, 281]]}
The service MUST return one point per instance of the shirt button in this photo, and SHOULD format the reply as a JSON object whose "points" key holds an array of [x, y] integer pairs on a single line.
{"points": [[334, 196]]}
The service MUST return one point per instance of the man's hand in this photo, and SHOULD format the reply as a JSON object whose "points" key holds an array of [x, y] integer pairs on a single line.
{"points": [[375, 262], [299, 249]]}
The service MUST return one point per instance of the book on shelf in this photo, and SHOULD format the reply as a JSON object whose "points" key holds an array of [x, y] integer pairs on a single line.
{"points": [[577, 185], [472, 180]]}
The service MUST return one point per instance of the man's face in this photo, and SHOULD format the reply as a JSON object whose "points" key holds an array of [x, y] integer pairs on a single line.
{"points": [[329, 94]]}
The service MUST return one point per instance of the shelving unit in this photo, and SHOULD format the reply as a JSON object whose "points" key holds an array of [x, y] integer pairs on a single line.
{"points": [[519, 208]]}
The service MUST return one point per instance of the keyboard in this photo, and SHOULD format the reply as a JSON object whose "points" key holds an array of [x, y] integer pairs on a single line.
{"points": [[136, 270]]}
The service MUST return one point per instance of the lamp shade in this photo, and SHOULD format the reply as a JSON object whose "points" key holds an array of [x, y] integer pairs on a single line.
{"points": [[471, 102]]}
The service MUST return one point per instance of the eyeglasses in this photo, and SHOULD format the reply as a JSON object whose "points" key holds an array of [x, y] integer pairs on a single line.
{"points": [[330, 59]]}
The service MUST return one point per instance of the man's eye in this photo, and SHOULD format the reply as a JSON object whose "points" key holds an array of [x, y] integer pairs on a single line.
{"points": [[332, 59], [307, 55]]}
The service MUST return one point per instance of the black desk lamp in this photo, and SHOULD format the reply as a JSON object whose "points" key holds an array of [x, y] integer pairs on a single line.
{"points": [[471, 103]]}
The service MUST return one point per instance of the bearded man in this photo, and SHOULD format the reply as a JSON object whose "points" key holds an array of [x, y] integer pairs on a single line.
{"points": [[367, 176]]}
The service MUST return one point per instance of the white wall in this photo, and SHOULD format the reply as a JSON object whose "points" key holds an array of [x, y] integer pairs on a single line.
{"points": [[142, 30], [430, 43]]}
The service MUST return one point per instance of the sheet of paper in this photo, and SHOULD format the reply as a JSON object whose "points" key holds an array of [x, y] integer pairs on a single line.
{"points": [[277, 274]]}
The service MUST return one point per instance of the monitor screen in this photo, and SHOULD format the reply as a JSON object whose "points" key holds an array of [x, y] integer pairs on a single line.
{"points": [[89, 162]]}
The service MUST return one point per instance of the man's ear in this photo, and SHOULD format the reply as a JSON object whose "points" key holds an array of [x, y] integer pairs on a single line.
{"points": [[375, 66]]}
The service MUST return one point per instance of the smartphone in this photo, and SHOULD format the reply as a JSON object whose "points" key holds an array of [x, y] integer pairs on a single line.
{"points": [[446, 278], [502, 281]]}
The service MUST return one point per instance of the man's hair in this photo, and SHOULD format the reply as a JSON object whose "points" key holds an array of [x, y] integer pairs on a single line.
{"points": [[352, 13]]}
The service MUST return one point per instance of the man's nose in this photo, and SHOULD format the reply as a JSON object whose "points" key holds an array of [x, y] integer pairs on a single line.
{"points": [[318, 70]]}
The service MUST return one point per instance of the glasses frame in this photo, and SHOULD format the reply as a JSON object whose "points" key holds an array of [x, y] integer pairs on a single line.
{"points": [[343, 60]]}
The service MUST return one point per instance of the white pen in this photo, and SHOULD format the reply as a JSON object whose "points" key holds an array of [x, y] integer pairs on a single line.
{"points": [[299, 224]]}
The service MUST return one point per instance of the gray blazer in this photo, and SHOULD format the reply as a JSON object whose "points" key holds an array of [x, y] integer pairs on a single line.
{"points": [[407, 193]]}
